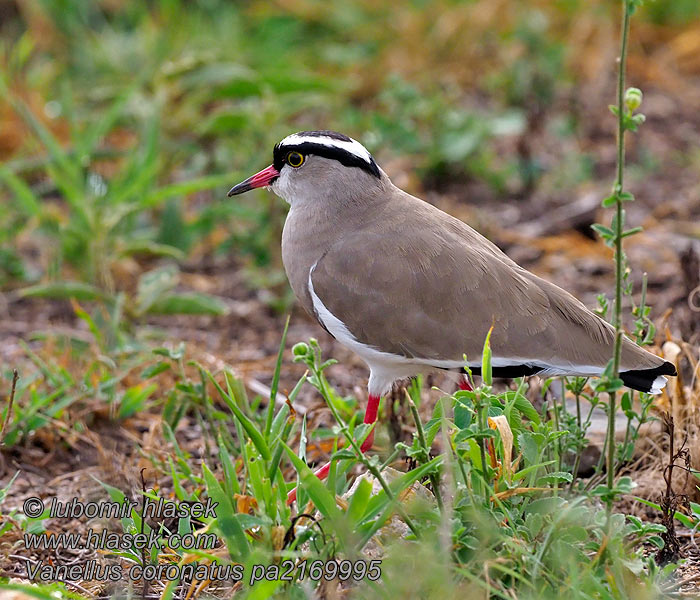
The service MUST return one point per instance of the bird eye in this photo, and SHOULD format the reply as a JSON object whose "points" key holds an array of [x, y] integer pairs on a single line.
{"points": [[295, 159]]}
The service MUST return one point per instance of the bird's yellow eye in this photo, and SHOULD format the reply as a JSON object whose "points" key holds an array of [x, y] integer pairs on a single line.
{"points": [[295, 159]]}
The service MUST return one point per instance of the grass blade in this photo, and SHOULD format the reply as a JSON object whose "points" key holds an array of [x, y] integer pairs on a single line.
{"points": [[252, 431], [319, 494], [275, 382], [226, 519], [25, 199]]}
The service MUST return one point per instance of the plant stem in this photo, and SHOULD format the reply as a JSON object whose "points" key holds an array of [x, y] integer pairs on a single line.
{"points": [[579, 435], [482, 417], [434, 479], [557, 426], [617, 315], [275, 383]]}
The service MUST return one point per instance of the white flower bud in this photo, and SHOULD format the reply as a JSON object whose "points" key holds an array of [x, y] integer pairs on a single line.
{"points": [[633, 98]]}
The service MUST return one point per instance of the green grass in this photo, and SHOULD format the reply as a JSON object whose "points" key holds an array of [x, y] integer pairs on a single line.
{"points": [[503, 526]]}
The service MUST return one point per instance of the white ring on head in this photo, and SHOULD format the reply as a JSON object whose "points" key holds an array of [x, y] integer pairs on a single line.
{"points": [[353, 146]]}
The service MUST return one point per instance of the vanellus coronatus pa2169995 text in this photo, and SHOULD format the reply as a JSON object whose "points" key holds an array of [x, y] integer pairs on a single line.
{"points": [[410, 288]]}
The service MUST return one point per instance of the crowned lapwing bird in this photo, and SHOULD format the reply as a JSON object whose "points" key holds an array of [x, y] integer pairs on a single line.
{"points": [[411, 289]]}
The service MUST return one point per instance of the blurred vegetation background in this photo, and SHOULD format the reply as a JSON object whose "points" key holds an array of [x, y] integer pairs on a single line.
{"points": [[123, 123]]}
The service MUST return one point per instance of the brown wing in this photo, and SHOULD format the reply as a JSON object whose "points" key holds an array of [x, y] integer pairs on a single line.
{"points": [[436, 286]]}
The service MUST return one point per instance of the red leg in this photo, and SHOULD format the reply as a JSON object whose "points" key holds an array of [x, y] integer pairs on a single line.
{"points": [[370, 417], [464, 384]]}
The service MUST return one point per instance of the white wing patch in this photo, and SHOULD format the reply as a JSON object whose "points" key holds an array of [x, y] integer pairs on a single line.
{"points": [[657, 385], [353, 146]]}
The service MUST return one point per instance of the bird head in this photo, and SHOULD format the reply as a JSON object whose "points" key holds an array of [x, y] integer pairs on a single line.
{"points": [[317, 165]]}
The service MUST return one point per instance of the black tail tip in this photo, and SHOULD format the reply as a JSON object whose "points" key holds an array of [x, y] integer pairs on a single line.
{"points": [[647, 380]]}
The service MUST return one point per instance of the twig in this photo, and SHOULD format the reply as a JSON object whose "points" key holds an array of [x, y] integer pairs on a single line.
{"points": [[10, 402], [671, 550], [679, 584], [258, 387]]}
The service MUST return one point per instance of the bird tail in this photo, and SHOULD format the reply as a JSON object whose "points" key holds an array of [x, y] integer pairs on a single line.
{"points": [[651, 381]]}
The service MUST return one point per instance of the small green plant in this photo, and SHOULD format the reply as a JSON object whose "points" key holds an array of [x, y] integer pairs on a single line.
{"points": [[103, 220], [628, 101]]}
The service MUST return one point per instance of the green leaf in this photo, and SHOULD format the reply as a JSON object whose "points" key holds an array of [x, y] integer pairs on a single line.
{"points": [[134, 400], [137, 180], [486, 373], [685, 520], [603, 231], [151, 248], [172, 353], [153, 370], [66, 173], [24, 198], [608, 385], [546, 506], [275, 382], [84, 316], [133, 521], [609, 201], [3, 491], [152, 285], [359, 500], [522, 404], [529, 447], [188, 303], [255, 436], [189, 187], [380, 503], [632, 231], [301, 453], [462, 414], [230, 477], [624, 485], [99, 129], [556, 477], [226, 520], [344, 454], [626, 402], [319, 494], [64, 290]]}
